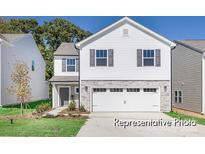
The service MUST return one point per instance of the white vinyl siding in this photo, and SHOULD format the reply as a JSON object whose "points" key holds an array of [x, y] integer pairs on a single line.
{"points": [[58, 66], [125, 57]]}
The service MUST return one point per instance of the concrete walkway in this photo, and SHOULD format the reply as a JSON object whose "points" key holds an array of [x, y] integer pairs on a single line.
{"points": [[104, 125], [55, 112]]}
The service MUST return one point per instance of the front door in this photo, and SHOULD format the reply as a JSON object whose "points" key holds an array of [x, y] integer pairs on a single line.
{"points": [[64, 96]]}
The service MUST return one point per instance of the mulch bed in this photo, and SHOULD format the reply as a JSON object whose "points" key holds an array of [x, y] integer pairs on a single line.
{"points": [[73, 114], [64, 114]]}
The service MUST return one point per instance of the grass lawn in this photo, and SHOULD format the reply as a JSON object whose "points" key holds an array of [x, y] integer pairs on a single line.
{"points": [[186, 117], [44, 127], [16, 109]]}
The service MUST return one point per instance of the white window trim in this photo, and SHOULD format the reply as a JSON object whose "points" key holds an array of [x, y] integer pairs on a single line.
{"points": [[147, 58], [75, 90], [100, 58], [70, 65]]}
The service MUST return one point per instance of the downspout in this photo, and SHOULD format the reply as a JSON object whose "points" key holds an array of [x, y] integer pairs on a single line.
{"points": [[0, 70], [172, 48], [78, 50]]}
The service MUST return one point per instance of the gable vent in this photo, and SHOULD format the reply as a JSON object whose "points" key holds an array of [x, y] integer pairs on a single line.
{"points": [[125, 32]]}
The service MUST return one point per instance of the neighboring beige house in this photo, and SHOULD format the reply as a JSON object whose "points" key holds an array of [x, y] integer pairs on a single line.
{"points": [[188, 75], [15, 47], [123, 67]]}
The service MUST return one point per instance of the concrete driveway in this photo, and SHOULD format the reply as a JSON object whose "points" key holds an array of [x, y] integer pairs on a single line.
{"points": [[112, 125]]}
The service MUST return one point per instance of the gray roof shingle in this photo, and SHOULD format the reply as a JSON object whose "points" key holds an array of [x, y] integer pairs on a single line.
{"points": [[64, 79], [66, 49], [196, 44], [13, 37]]}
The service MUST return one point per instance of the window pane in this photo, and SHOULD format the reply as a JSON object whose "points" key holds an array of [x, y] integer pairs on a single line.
{"points": [[101, 62], [148, 53], [105, 53], [99, 89], [180, 93], [33, 65], [148, 62], [144, 53], [180, 99], [175, 93], [71, 68], [97, 53], [101, 53], [71, 62], [175, 99], [133, 90], [152, 53], [116, 90], [77, 90]]}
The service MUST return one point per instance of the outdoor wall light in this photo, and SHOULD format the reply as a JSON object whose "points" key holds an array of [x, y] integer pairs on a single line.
{"points": [[86, 88], [165, 88]]}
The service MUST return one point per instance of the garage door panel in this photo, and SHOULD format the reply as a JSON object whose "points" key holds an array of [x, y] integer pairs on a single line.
{"points": [[126, 101]]}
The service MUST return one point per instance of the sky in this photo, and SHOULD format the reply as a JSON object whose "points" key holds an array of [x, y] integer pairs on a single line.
{"points": [[171, 27]]}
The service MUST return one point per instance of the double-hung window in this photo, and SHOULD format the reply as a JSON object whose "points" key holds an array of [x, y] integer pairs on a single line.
{"points": [[178, 96], [148, 57], [71, 65], [101, 57]]}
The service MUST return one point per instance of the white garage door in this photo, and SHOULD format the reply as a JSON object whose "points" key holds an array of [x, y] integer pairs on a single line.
{"points": [[126, 99]]}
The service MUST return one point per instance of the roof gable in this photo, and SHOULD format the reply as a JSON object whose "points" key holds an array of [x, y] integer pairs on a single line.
{"points": [[116, 25]]}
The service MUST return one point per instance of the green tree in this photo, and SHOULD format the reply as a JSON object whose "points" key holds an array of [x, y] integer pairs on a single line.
{"points": [[48, 36]]}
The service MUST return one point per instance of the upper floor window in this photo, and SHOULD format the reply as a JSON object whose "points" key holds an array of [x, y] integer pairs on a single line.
{"points": [[33, 65], [148, 57], [71, 65], [101, 57]]}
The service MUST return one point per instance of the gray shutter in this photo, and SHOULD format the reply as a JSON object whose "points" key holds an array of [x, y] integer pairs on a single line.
{"points": [[157, 57], [110, 57], [92, 57], [63, 65], [139, 57], [77, 65]]}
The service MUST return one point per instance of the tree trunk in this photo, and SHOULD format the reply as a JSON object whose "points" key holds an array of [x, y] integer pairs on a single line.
{"points": [[21, 108]]}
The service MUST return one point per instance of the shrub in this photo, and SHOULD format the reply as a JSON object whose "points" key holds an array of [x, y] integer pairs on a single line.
{"points": [[42, 108], [82, 108], [72, 106]]}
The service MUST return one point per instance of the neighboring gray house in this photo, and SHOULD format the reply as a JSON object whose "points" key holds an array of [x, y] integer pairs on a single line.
{"points": [[65, 80], [188, 75], [21, 47]]}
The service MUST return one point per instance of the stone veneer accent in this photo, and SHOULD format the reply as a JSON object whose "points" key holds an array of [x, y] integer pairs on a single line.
{"points": [[86, 95]]}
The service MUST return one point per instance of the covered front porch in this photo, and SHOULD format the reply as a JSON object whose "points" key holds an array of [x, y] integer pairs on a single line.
{"points": [[64, 90]]}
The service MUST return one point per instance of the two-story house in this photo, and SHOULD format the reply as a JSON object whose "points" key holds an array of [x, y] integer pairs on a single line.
{"points": [[65, 85], [188, 76], [123, 67], [23, 48]]}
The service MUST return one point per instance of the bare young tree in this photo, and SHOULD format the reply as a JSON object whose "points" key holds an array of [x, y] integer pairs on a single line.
{"points": [[20, 83]]}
